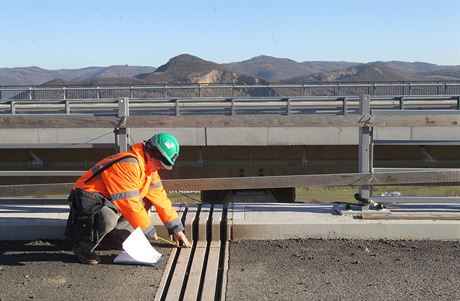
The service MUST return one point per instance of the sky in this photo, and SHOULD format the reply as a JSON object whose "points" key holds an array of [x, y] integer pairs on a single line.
{"points": [[55, 34]]}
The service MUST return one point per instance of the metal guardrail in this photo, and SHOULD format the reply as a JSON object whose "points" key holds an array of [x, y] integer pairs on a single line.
{"points": [[229, 90], [364, 119], [231, 106]]}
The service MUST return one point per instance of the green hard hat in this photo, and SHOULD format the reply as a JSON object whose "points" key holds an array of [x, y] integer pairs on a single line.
{"points": [[168, 147]]}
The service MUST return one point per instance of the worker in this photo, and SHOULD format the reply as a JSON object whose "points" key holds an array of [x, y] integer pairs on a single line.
{"points": [[115, 195]]}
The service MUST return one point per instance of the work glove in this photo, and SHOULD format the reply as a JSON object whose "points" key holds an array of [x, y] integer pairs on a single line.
{"points": [[151, 233]]}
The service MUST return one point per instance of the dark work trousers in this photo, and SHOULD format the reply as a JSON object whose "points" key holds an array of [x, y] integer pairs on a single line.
{"points": [[94, 219], [113, 230]]}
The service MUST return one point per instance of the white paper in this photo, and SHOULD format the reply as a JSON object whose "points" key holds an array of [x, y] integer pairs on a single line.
{"points": [[138, 250]]}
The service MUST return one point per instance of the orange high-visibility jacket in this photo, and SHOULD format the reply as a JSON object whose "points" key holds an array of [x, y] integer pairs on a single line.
{"points": [[129, 182]]}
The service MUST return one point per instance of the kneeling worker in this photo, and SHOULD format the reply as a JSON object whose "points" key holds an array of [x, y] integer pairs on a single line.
{"points": [[114, 197]]}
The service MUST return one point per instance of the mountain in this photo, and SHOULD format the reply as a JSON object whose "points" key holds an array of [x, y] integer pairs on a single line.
{"points": [[449, 72], [37, 76], [186, 68], [324, 66], [277, 69], [408, 67], [362, 72], [269, 68], [103, 81]]}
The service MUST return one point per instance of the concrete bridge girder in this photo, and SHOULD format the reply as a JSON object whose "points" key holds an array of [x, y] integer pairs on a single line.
{"points": [[234, 136]]}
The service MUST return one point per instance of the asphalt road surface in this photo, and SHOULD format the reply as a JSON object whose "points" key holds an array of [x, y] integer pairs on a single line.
{"points": [[304, 269], [308, 269], [48, 270]]}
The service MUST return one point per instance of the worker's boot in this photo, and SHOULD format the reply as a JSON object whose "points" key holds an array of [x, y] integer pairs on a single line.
{"points": [[87, 258]]}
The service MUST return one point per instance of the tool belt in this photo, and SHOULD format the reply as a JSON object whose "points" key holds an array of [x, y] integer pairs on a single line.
{"points": [[85, 208]]}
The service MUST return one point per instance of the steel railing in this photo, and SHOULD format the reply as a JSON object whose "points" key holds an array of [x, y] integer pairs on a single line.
{"points": [[363, 119], [231, 106], [229, 90]]}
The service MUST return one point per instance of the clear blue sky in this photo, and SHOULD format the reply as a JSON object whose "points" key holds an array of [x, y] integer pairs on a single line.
{"points": [[79, 33]]}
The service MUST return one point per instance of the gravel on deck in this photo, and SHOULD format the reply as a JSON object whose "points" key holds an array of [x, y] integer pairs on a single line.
{"points": [[48, 270], [312, 269]]}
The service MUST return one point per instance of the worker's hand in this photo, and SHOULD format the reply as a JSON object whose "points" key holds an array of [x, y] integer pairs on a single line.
{"points": [[180, 237]]}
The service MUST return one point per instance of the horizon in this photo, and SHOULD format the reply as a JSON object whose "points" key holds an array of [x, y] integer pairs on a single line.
{"points": [[149, 32], [106, 66]]}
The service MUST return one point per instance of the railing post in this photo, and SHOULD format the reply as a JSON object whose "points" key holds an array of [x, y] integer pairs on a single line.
{"points": [[177, 107], [401, 103], [288, 106], [98, 93], [458, 102], [199, 90], [121, 132], [365, 146], [344, 106], [67, 107], [131, 92], [30, 93], [64, 94]]}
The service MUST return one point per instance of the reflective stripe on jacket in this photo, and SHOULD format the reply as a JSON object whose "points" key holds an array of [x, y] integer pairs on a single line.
{"points": [[128, 183]]}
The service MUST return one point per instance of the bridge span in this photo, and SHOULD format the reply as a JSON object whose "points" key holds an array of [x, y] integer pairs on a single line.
{"points": [[233, 137]]}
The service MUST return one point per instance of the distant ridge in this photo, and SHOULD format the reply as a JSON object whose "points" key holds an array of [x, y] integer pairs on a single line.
{"points": [[362, 72], [38, 76], [279, 69], [187, 69]]}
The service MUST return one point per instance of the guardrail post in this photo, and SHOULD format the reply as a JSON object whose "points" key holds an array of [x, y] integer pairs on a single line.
{"points": [[177, 107], [64, 94], [12, 108], [199, 90], [401, 103], [30, 93], [121, 132], [365, 146], [67, 107], [288, 105], [98, 93], [345, 106], [458, 102]]}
